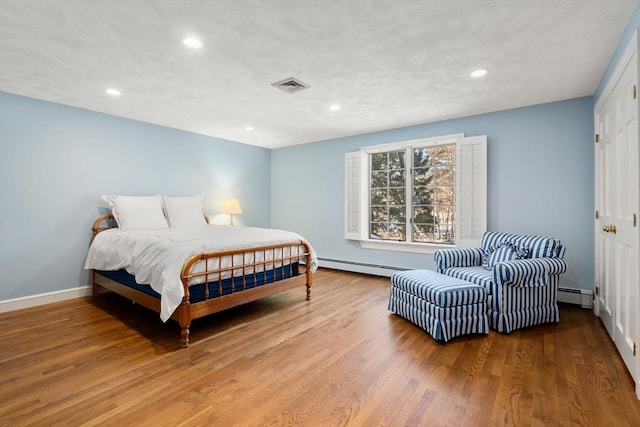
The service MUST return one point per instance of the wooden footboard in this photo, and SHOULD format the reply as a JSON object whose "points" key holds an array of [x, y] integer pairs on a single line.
{"points": [[244, 263]]}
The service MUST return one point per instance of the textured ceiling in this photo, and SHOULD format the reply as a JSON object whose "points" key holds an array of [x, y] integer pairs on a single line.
{"points": [[387, 63]]}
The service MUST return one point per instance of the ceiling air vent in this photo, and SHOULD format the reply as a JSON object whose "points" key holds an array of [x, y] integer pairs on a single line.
{"points": [[290, 85]]}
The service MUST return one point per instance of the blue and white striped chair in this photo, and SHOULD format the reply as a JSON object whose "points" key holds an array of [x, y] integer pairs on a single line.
{"points": [[520, 274]]}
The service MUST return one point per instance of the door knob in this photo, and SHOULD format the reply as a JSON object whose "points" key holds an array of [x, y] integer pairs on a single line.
{"points": [[612, 229]]}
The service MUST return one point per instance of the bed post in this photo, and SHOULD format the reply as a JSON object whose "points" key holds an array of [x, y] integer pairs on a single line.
{"points": [[308, 271], [94, 285], [184, 319], [96, 228]]}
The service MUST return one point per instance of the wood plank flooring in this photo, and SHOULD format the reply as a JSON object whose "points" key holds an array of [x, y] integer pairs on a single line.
{"points": [[340, 359]]}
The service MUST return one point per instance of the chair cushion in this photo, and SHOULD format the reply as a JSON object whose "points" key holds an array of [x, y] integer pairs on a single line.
{"points": [[478, 275], [539, 247], [505, 251]]}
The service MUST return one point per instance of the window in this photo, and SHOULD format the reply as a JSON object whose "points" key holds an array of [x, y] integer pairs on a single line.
{"points": [[433, 194], [416, 195], [387, 196]]}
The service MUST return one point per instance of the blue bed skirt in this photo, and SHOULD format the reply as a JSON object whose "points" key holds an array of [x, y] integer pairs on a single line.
{"points": [[196, 292]]}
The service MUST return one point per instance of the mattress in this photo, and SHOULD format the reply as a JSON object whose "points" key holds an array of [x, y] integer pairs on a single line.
{"points": [[156, 257], [225, 287]]}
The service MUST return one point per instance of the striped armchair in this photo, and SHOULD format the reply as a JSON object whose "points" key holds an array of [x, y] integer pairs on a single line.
{"points": [[520, 274]]}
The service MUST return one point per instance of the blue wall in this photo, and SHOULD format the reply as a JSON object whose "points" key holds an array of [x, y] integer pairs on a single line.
{"points": [[56, 161], [540, 181]]}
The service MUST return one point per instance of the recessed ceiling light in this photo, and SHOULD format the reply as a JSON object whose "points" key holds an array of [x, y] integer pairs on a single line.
{"points": [[112, 91], [248, 128], [334, 107], [192, 42], [478, 73]]}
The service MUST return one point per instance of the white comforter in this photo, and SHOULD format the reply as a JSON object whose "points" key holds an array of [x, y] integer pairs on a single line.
{"points": [[156, 257]]}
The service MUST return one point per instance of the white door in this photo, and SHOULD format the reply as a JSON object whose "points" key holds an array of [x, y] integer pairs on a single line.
{"points": [[605, 291], [617, 203]]}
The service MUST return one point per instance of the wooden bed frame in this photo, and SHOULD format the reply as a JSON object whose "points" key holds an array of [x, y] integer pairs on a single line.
{"points": [[188, 311]]}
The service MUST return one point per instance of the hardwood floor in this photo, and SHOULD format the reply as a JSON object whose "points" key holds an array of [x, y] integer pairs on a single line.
{"points": [[340, 359]]}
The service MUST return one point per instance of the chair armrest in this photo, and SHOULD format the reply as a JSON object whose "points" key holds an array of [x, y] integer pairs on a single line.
{"points": [[528, 272], [459, 257]]}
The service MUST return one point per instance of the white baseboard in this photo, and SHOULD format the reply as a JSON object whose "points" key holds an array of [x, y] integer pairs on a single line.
{"points": [[45, 298], [357, 268], [581, 297]]}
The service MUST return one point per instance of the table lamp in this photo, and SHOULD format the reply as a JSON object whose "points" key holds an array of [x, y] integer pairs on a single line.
{"points": [[231, 206]]}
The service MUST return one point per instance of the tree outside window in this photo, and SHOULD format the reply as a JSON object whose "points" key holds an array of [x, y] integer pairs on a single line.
{"points": [[432, 196], [387, 218], [433, 207]]}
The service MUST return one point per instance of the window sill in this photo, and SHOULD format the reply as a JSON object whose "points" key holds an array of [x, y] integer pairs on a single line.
{"points": [[388, 245]]}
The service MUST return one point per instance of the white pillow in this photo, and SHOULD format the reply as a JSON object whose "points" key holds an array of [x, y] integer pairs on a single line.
{"points": [[185, 211], [137, 213]]}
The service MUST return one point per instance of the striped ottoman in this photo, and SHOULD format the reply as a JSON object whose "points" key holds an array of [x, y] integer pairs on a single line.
{"points": [[443, 306]]}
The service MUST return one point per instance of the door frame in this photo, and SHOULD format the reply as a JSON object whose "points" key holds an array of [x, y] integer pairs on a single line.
{"points": [[630, 50]]}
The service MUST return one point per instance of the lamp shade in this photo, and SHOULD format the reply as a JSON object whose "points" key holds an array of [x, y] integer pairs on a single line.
{"points": [[231, 206]]}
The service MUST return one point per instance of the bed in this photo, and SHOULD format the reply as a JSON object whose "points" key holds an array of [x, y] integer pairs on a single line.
{"points": [[190, 272]]}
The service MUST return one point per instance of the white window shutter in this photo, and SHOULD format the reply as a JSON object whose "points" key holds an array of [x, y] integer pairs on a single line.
{"points": [[353, 170], [471, 190]]}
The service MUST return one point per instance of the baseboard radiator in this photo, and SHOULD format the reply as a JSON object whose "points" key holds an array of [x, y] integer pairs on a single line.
{"points": [[581, 297], [359, 267]]}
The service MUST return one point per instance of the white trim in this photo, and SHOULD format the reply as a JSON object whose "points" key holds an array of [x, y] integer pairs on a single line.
{"points": [[354, 268], [471, 180], [473, 216], [629, 51], [354, 195], [580, 297], [435, 140], [390, 245], [45, 298]]}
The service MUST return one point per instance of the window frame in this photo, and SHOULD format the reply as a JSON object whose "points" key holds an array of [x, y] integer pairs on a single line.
{"points": [[362, 206]]}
